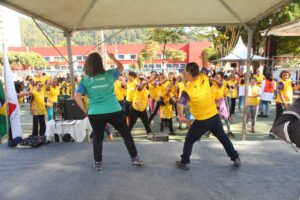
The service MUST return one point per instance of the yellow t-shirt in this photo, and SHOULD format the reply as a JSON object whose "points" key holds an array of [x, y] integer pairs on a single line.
{"points": [[140, 99], [259, 79], [119, 90], [131, 86], [166, 111], [202, 104], [233, 93], [152, 91], [43, 79], [253, 101], [52, 95], [287, 91], [181, 87], [217, 90], [38, 103]]}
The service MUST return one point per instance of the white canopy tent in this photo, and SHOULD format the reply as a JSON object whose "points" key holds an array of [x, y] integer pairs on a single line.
{"points": [[75, 15], [239, 53], [287, 29]]}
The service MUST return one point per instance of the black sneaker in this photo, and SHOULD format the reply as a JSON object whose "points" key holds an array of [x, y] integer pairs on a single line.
{"points": [[136, 161], [182, 166], [230, 134], [172, 133], [98, 166], [237, 162]]}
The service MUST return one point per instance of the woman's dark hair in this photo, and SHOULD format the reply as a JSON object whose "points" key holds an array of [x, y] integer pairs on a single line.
{"points": [[18, 86], [93, 65], [133, 74], [242, 81], [193, 69], [221, 74], [284, 72], [269, 76]]}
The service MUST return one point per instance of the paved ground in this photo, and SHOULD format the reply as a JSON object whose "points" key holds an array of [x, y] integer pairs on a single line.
{"points": [[270, 170]]}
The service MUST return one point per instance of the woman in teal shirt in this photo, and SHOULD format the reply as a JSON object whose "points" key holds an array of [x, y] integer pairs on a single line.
{"points": [[103, 106]]}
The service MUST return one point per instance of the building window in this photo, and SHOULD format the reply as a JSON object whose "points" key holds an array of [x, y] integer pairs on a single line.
{"points": [[151, 66], [132, 57], [121, 57], [176, 65], [84, 57], [56, 58], [57, 67], [182, 65], [158, 66], [63, 67], [79, 58], [79, 67], [47, 58], [169, 65], [145, 66]]}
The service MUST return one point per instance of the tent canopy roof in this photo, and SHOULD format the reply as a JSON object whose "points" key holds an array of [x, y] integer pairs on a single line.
{"points": [[239, 53], [74, 15], [287, 29]]}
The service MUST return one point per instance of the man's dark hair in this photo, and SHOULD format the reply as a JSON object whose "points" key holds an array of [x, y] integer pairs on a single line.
{"points": [[133, 74], [93, 65], [193, 69]]}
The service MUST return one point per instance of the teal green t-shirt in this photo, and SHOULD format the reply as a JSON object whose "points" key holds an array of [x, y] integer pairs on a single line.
{"points": [[100, 91]]}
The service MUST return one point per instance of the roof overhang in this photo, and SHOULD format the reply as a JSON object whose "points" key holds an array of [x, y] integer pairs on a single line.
{"points": [[287, 29], [75, 15]]}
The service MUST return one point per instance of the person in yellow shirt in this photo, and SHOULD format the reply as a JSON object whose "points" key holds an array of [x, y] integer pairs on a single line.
{"points": [[253, 102], [199, 97], [38, 109], [152, 91], [53, 90], [19, 85], [130, 88], [232, 86], [119, 87], [284, 99], [166, 109], [138, 108], [40, 77], [259, 77]]}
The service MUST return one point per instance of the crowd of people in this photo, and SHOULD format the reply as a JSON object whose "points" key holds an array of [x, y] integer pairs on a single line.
{"points": [[197, 98]]}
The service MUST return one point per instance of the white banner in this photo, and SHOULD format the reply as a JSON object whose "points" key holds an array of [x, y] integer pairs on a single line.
{"points": [[12, 98]]}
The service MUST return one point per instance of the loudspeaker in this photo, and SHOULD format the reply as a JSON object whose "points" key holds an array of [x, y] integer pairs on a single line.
{"points": [[58, 111], [73, 111]]}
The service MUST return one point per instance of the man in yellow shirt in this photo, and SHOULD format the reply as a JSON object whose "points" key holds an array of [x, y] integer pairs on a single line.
{"points": [[198, 95]]}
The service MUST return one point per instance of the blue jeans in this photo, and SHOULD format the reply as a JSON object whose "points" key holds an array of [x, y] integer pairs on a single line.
{"points": [[199, 128], [241, 102], [263, 104]]}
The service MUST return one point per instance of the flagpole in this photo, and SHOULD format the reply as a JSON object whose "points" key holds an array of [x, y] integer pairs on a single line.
{"points": [[5, 94]]}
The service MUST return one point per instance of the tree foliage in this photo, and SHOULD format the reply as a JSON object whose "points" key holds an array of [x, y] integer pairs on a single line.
{"points": [[23, 60], [175, 55], [150, 50]]}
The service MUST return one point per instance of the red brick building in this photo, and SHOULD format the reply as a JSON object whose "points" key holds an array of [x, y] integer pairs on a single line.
{"points": [[126, 53]]}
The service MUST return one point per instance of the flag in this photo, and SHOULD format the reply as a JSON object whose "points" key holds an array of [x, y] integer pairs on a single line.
{"points": [[3, 129], [12, 102]]}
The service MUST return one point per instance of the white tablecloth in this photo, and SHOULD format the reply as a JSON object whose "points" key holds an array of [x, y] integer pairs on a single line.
{"points": [[78, 129]]}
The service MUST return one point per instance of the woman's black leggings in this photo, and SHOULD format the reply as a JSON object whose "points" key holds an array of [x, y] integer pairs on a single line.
{"points": [[117, 120]]}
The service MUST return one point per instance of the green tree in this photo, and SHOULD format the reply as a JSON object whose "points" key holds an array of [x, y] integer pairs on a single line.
{"points": [[175, 55], [141, 61], [210, 54], [164, 36], [150, 50]]}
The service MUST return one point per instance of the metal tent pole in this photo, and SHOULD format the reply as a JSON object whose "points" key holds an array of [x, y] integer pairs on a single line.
{"points": [[68, 35], [249, 45]]}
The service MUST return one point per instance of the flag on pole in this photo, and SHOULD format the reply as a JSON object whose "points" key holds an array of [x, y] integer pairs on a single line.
{"points": [[12, 102], [3, 128]]}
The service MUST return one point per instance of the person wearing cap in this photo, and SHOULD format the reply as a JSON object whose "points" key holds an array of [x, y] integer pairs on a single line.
{"points": [[198, 96], [103, 106]]}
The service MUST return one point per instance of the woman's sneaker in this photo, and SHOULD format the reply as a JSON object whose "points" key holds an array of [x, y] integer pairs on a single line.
{"points": [[237, 162], [182, 166], [136, 161], [98, 166]]}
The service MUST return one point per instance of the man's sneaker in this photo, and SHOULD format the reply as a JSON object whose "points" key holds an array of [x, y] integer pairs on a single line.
{"points": [[182, 166], [271, 135], [237, 162], [230, 134], [149, 136], [136, 161], [98, 166]]}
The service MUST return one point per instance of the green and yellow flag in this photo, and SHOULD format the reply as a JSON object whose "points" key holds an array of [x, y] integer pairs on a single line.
{"points": [[3, 129]]}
